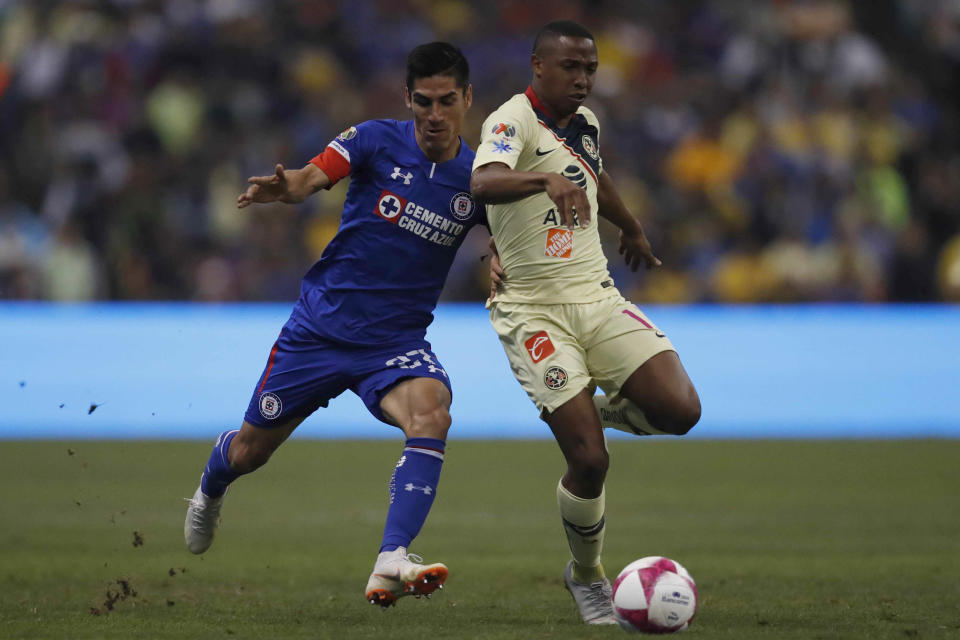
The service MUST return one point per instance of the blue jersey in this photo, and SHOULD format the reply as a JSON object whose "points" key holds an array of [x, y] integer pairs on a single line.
{"points": [[403, 220]]}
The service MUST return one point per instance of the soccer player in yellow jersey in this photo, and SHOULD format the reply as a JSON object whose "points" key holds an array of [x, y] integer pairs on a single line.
{"points": [[563, 324]]}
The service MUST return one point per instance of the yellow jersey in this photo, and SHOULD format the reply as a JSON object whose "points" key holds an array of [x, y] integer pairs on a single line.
{"points": [[544, 262]]}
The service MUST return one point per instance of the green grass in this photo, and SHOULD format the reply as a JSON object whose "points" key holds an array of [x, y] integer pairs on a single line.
{"points": [[786, 539]]}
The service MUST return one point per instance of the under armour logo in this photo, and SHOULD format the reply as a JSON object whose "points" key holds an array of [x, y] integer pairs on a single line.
{"points": [[427, 489], [398, 174]]}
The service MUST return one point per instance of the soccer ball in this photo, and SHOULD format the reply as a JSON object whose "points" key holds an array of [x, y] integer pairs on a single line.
{"points": [[654, 595]]}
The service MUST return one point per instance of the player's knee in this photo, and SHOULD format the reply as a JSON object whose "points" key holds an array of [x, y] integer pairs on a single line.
{"points": [[589, 466], [431, 423], [685, 414], [690, 411]]}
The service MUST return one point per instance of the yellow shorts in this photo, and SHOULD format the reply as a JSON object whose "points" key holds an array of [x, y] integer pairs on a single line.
{"points": [[556, 350]]}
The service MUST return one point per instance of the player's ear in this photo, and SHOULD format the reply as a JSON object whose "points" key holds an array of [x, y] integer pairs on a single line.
{"points": [[406, 96], [468, 96], [536, 63]]}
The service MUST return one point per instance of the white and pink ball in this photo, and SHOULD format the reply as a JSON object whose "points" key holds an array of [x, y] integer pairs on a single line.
{"points": [[654, 595]]}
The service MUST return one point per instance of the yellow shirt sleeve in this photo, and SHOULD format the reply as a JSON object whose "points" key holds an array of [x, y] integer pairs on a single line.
{"points": [[505, 133]]}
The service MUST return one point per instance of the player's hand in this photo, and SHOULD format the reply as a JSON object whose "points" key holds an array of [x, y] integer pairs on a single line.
{"points": [[635, 247], [571, 201], [496, 270], [264, 189]]}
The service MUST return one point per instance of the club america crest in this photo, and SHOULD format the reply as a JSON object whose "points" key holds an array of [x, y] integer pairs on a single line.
{"points": [[589, 146], [555, 378]]}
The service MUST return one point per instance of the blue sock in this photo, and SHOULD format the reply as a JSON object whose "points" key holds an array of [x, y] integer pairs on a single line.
{"points": [[218, 475], [412, 489]]}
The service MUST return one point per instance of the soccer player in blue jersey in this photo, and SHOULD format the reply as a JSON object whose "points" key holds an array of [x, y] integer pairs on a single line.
{"points": [[364, 308]]}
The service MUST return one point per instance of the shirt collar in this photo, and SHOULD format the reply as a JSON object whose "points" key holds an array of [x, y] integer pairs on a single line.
{"points": [[537, 104]]}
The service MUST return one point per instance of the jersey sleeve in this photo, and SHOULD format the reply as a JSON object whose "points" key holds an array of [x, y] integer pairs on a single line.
{"points": [[346, 153], [505, 132]]}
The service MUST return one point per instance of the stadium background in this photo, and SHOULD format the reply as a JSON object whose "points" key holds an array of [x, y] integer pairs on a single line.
{"points": [[788, 153]]}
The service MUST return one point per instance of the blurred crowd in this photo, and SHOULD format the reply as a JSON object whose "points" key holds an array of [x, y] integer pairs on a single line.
{"points": [[780, 151]]}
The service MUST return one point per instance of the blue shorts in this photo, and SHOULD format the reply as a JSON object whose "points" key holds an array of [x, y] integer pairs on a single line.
{"points": [[304, 372]]}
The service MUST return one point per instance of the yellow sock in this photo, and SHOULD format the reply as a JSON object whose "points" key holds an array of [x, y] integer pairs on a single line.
{"points": [[584, 524]]}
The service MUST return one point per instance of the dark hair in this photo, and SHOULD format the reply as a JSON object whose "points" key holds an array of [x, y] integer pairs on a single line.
{"points": [[559, 28], [437, 59]]}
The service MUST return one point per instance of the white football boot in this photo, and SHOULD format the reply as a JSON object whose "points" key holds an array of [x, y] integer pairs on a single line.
{"points": [[594, 600], [398, 573], [203, 516]]}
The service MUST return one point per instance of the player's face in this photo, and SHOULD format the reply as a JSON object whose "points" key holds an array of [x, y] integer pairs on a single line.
{"points": [[565, 71], [439, 107]]}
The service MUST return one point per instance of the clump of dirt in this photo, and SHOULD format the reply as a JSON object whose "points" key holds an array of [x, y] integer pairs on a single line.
{"points": [[117, 591]]}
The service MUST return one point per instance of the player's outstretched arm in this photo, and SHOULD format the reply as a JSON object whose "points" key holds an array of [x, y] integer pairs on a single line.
{"points": [[634, 245], [291, 186], [496, 183]]}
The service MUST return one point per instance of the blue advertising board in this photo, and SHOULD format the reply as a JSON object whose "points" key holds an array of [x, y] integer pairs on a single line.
{"points": [[187, 371]]}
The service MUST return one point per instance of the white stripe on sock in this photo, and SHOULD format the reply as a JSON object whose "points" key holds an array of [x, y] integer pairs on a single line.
{"points": [[429, 452]]}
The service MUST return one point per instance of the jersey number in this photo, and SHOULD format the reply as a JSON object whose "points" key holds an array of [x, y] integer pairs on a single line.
{"points": [[414, 359]]}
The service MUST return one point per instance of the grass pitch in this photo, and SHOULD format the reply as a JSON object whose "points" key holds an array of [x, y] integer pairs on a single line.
{"points": [[785, 539]]}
